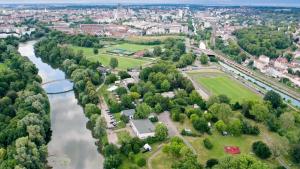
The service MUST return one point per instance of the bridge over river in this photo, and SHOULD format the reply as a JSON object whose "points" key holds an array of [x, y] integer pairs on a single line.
{"points": [[58, 86]]}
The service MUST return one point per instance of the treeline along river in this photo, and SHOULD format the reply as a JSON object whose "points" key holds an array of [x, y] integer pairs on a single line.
{"points": [[72, 145]]}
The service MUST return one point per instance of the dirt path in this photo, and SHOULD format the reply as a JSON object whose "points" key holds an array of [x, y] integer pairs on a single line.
{"points": [[172, 129], [280, 160], [153, 155], [198, 88]]}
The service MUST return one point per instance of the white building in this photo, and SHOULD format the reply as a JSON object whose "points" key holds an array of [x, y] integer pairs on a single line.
{"points": [[142, 128], [281, 63], [261, 62]]}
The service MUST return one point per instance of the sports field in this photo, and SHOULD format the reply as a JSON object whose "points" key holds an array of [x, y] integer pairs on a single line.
{"points": [[217, 82], [104, 58]]}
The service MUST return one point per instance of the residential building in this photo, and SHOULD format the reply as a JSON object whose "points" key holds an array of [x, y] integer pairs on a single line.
{"points": [[128, 113], [143, 128]]}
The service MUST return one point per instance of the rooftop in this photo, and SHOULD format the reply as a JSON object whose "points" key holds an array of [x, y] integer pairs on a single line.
{"points": [[143, 126], [129, 112]]}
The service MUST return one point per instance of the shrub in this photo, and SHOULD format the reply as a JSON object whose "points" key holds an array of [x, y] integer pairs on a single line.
{"points": [[141, 162], [153, 119], [211, 162], [248, 129], [261, 150], [207, 144], [296, 154]]}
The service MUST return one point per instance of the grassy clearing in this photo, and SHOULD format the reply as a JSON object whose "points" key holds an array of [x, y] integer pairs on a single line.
{"points": [[131, 163], [217, 83], [131, 47], [162, 161], [123, 136], [104, 58]]}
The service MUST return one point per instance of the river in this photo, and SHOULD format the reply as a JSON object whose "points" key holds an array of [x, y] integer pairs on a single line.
{"points": [[72, 145]]}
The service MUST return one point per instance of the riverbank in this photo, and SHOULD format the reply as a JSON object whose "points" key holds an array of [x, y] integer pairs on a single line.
{"points": [[72, 145]]}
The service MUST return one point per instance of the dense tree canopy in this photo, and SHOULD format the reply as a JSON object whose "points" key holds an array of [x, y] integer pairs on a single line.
{"points": [[24, 118], [263, 40]]}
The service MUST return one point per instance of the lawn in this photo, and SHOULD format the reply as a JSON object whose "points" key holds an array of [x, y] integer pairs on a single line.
{"points": [[131, 47], [216, 83], [123, 136], [104, 58], [131, 163]]}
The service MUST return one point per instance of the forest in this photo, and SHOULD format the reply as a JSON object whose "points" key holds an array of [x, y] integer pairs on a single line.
{"points": [[263, 40], [24, 106]]}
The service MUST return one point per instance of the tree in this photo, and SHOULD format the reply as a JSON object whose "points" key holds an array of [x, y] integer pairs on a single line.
{"points": [[142, 111], [240, 162], [296, 153], [274, 98], [207, 144], [188, 162], [124, 74], [112, 162], [261, 150], [95, 51], [126, 102], [113, 63], [224, 99], [203, 59], [211, 162], [111, 79], [141, 162], [235, 127], [200, 124], [161, 132], [175, 147], [110, 150], [157, 51], [222, 111], [165, 85], [287, 120], [91, 109], [220, 126], [260, 111]]}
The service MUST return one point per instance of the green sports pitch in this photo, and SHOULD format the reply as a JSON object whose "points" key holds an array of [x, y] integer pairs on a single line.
{"points": [[217, 82]]}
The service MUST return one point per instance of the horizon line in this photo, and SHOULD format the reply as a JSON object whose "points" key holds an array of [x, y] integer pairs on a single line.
{"points": [[153, 3]]}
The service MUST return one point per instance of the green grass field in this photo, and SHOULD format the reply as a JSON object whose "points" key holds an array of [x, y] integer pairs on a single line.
{"points": [[131, 47], [217, 83], [104, 58]]}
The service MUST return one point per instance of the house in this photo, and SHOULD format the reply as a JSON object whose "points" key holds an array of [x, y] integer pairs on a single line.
{"points": [[297, 54], [127, 81], [281, 63], [142, 128], [129, 113], [261, 62], [112, 88]]}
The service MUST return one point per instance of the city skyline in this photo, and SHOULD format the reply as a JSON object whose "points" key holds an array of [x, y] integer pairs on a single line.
{"points": [[284, 3]]}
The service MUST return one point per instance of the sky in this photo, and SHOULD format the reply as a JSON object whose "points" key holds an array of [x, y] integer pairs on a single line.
{"points": [[291, 3]]}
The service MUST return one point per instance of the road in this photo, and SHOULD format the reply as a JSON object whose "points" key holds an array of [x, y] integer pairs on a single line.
{"points": [[198, 88]]}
